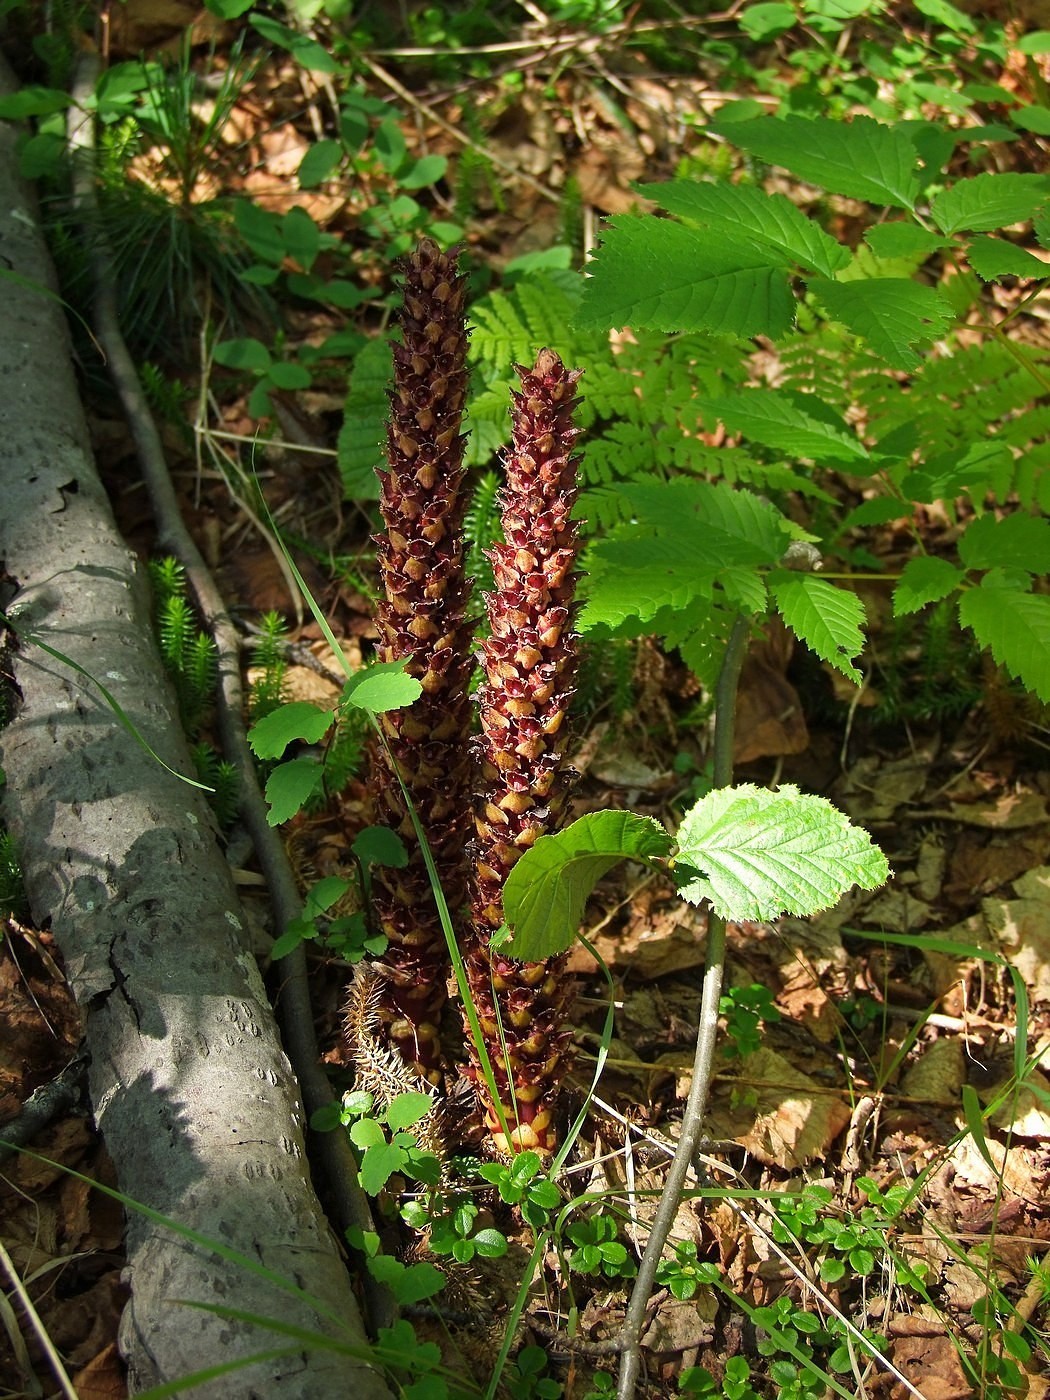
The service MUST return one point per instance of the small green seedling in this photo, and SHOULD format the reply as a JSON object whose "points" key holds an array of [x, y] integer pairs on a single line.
{"points": [[684, 1275], [525, 1380], [597, 1249], [522, 1184], [745, 1009]]}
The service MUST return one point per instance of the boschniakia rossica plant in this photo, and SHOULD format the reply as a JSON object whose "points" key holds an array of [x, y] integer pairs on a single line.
{"points": [[422, 619], [529, 662]]}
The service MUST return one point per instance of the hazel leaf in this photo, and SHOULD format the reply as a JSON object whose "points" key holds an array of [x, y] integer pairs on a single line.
{"points": [[757, 854]]}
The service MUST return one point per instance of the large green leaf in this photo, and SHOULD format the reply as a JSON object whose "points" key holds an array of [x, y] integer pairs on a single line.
{"points": [[757, 854], [861, 158], [990, 201], [1015, 626], [891, 313], [767, 220], [545, 894], [1017, 541], [655, 274], [826, 618], [800, 425]]}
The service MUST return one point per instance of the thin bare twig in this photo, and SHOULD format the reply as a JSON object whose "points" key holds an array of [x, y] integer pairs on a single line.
{"points": [[457, 133], [703, 1062]]}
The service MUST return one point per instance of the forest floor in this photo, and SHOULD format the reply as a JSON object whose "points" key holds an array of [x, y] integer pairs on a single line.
{"points": [[874, 1046]]}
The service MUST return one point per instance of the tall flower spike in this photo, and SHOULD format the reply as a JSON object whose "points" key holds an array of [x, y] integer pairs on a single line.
{"points": [[530, 665], [423, 616]]}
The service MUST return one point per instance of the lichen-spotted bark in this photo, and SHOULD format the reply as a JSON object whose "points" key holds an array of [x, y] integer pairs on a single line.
{"points": [[529, 662], [423, 617]]}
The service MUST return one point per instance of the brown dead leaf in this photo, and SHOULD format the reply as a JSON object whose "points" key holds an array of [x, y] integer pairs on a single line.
{"points": [[1009, 812], [103, 1377], [780, 1114], [1022, 928], [656, 942], [1023, 1112], [139, 26], [682, 1324], [939, 1073], [769, 718], [947, 970], [1014, 1173], [932, 1365]]}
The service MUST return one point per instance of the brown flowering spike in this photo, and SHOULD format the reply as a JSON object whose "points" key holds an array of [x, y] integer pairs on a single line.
{"points": [[530, 664], [423, 616]]}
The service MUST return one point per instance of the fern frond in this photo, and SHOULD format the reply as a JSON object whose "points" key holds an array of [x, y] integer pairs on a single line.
{"points": [[267, 690], [176, 627], [167, 578], [482, 528]]}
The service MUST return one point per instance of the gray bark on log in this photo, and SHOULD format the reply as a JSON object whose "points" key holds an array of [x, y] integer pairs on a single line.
{"points": [[190, 1087]]}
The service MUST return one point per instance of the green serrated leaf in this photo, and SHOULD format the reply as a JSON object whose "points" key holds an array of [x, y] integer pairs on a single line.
{"points": [[271, 735], [651, 273], [892, 314], [681, 535], [1017, 541], [760, 854], [547, 890], [862, 158], [924, 580], [995, 257], [1032, 118], [378, 845], [1015, 627], [827, 619], [408, 1108], [903, 240], [385, 685], [290, 786], [800, 425], [379, 1164], [744, 211], [989, 201]]}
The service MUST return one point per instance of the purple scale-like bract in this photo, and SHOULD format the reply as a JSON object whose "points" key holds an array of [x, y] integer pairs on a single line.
{"points": [[529, 662], [423, 616]]}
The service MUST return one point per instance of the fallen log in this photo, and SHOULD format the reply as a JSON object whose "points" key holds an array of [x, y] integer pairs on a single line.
{"points": [[190, 1088]]}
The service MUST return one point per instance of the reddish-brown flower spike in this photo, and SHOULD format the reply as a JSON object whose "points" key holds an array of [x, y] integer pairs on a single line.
{"points": [[423, 616], [530, 664]]}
